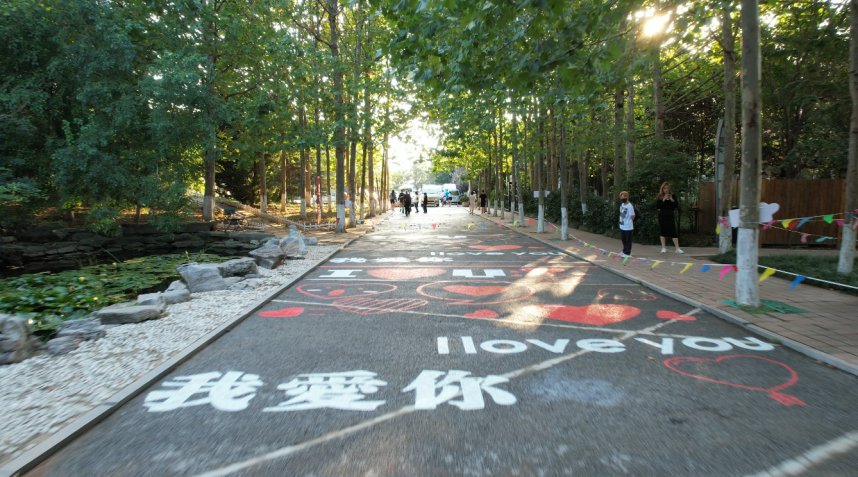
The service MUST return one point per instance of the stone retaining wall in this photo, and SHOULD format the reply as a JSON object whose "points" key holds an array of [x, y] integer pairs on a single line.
{"points": [[69, 248]]}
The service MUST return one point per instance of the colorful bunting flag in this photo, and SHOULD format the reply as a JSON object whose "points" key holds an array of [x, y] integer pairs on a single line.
{"points": [[766, 274], [786, 223], [626, 259], [705, 268], [803, 221], [803, 238], [822, 239], [768, 225], [727, 269], [687, 266], [795, 282], [828, 218], [655, 264], [840, 222], [718, 229]]}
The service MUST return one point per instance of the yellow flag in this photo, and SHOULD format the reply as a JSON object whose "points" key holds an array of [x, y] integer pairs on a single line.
{"points": [[686, 267], [785, 222], [766, 274], [656, 263], [718, 229]]}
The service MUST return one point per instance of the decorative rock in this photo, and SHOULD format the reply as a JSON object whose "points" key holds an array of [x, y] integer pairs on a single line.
{"points": [[230, 281], [293, 245], [85, 329], [311, 241], [17, 342], [268, 256], [201, 277], [245, 285], [237, 267], [177, 292], [153, 299], [62, 345], [123, 313]]}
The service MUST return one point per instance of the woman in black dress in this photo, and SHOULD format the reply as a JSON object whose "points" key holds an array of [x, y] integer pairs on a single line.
{"points": [[666, 204]]}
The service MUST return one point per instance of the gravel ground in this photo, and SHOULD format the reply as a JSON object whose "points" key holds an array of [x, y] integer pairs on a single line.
{"points": [[42, 394]]}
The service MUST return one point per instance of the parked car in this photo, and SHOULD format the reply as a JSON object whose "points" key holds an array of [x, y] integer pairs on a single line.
{"points": [[433, 194]]}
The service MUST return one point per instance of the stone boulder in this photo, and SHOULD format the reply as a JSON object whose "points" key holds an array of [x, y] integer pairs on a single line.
{"points": [[293, 245], [177, 292], [85, 329], [62, 345], [17, 342], [124, 313], [270, 255], [153, 299], [202, 277], [237, 267], [311, 241]]}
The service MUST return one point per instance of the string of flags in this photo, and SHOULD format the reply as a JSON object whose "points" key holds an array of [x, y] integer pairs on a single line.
{"points": [[796, 223]]}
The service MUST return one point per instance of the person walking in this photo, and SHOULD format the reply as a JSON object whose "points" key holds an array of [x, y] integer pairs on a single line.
{"points": [[401, 200], [627, 223], [666, 204], [392, 200], [425, 202], [407, 203], [472, 200], [483, 201], [416, 202]]}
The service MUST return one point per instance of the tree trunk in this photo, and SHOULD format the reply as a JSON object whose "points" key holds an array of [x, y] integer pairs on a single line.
{"points": [[747, 253], [540, 158], [339, 131], [328, 175], [619, 161], [564, 212], [263, 184], [302, 118], [283, 180], [317, 177], [725, 238], [658, 87], [630, 128], [209, 181], [847, 237]]}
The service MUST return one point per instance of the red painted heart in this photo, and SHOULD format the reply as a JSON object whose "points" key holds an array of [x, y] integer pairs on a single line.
{"points": [[376, 306], [470, 290], [672, 315], [481, 314], [597, 315], [283, 313], [326, 291], [495, 248], [405, 273], [721, 365], [624, 294]]}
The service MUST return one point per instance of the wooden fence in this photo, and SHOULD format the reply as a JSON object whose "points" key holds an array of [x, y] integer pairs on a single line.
{"points": [[797, 198]]}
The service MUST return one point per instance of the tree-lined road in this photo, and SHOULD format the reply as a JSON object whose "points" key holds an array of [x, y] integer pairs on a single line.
{"points": [[443, 344]]}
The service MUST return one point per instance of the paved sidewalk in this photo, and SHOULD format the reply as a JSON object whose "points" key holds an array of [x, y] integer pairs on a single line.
{"points": [[826, 328]]}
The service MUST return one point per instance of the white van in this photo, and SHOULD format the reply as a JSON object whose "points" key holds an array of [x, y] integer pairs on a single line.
{"points": [[433, 194]]}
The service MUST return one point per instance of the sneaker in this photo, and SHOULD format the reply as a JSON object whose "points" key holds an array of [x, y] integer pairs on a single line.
{"points": [[679, 251], [663, 250], [623, 255]]}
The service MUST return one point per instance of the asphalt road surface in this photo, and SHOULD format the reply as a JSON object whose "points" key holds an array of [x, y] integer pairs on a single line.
{"points": [[443, 344]]}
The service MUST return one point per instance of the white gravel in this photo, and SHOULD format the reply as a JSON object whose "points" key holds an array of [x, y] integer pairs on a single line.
{"points": [[42, 394]]}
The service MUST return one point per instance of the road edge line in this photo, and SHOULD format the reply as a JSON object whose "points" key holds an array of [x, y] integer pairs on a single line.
{"points": [[44, 450]]}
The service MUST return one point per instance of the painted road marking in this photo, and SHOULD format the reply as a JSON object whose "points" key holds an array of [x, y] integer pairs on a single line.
{"points": [[819, 454], [293, 449]]}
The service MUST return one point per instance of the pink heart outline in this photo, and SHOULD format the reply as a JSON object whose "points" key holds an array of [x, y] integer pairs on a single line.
{"points": [[785, 399]]}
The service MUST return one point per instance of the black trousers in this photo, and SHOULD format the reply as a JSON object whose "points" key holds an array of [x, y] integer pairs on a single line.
{"points": [[626, 236]]}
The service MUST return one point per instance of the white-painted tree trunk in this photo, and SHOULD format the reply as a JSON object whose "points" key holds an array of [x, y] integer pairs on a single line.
{"points": [[564, 224], [520, 214], [846, 262], [747, 258], [725, 238], [540, 221]]}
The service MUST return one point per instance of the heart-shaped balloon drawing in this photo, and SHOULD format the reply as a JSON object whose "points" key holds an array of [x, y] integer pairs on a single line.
{"points": [[474, 290], [376, 306], [495, 248], [672, 315], [466, 293], [283, 313], [482, 314], [332, 291], [697, 368], [596, 315], [405, 273]]}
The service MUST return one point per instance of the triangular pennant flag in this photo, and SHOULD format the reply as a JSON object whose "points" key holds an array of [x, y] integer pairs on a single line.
{"points": [[795, 282], [705, 268], [766, 274], [786, 222], [726, 270], [718, 229], [828, 218], [768, 225], [552, 227], [840, 222], [655, 264], [803, 238], [803, 221], [626, 259], [822, 239], [470, 226], [686, 267]]}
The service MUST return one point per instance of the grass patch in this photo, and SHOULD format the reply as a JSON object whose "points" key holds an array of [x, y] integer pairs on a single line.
{"points": [[824, 268], [49, 299]]}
